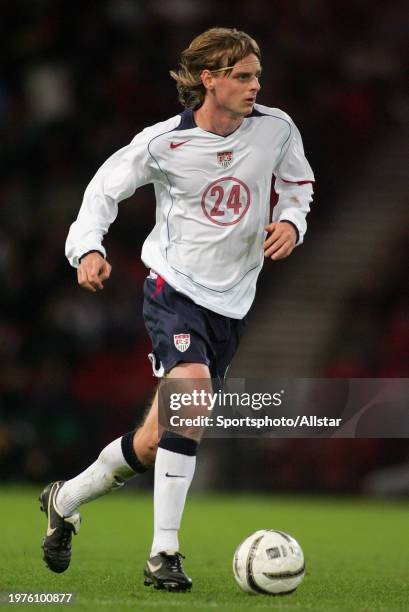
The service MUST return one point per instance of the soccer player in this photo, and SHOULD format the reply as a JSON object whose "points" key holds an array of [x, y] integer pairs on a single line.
{"points": [[211, 166]]}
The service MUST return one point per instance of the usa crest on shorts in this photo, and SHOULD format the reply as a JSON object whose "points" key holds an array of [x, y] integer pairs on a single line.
{"points": [[181, 341], [225, 158]]}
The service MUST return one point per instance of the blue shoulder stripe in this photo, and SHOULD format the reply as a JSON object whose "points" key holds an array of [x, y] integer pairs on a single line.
{"points": [[187, 120]]}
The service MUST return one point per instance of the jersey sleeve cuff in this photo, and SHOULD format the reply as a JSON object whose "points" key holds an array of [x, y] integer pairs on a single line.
{"points": [[92, 251]]}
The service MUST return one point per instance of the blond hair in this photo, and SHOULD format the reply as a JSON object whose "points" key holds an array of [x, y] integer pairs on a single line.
{"points": [[212, 50]]}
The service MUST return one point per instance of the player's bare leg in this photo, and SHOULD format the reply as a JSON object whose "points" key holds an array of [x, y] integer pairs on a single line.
{"points": [[147, 437], [174, 469]]}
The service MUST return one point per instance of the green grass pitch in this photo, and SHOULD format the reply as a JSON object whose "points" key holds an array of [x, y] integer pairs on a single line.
{"points": [[357, 552]]}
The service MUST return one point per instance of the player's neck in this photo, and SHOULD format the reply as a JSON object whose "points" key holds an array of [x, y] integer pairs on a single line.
{"points": [[216, 120]]}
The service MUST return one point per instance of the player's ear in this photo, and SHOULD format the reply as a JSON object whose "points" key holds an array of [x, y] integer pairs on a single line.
{"points": [[207, 79]]}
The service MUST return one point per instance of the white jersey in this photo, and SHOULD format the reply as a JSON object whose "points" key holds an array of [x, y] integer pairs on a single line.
{"points": [[213, 202]]}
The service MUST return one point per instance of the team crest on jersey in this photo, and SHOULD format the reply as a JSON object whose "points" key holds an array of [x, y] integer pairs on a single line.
{"points": [[225, 158], [181, 341]]}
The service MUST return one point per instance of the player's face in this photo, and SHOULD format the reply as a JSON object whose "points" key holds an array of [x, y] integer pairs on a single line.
{"points": [[236, 93]]}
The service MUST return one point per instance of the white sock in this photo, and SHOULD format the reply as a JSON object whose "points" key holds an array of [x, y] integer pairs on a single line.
{"points": [[173, 475], [108, 472]]}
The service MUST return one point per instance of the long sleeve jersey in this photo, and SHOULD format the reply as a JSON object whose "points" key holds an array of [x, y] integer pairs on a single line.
{"points": [[212, 202]]}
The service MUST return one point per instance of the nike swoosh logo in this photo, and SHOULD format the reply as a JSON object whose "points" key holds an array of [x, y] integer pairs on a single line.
{"points": [[175, 145], [50, 530], [154, 568], [174, 475]]}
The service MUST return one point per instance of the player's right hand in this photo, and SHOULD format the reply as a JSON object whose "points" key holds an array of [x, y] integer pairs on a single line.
{"points": [[93, 271]]}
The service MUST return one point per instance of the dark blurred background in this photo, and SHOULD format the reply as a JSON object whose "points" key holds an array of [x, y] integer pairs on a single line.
{"points": [[77, 82]]}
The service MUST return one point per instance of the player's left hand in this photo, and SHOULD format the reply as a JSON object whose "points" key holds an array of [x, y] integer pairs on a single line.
{"points": [[280, 241]]}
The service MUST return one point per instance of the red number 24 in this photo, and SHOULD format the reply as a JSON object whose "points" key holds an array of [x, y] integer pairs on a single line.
{"points": [[233, 201]]}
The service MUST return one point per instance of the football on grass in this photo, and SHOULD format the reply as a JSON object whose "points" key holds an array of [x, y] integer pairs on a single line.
{"points": [[269, 562]]}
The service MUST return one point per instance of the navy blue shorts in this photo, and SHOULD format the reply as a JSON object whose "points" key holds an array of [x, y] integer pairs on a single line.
{"points": [[181, 331]]}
